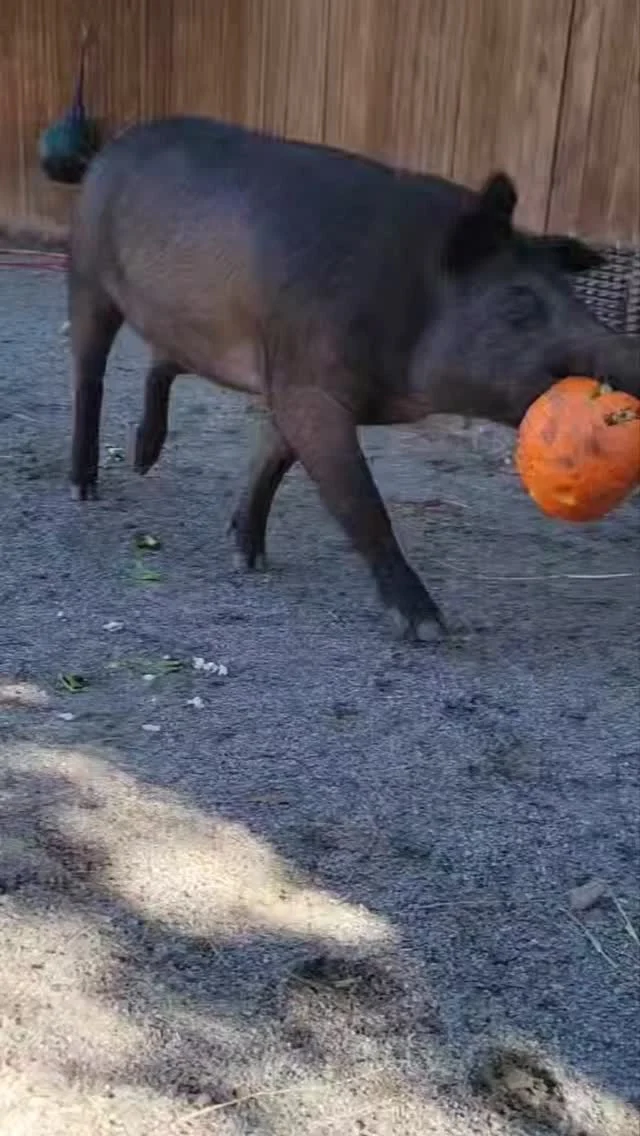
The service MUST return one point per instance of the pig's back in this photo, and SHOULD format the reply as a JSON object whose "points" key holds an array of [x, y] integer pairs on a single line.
{"points": [[187, 187], [186, 220]]}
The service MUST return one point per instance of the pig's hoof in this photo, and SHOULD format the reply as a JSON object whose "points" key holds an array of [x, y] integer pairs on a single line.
{"points": [[429, 630], [85, 492], [142, 453], [249, 562], [249, 554]]}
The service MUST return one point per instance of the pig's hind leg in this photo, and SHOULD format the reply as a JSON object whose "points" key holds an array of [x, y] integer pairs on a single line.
{"points": [[94, 323]]}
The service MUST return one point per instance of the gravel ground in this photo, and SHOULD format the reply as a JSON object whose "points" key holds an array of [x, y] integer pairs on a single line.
{"points": [[329, 890]]}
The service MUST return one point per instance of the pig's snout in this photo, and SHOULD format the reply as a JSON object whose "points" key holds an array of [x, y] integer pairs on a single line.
{"points": [[605, 355]]}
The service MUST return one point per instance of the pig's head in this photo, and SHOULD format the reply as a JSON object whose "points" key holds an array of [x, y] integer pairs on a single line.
{"points": [[506, 323]]}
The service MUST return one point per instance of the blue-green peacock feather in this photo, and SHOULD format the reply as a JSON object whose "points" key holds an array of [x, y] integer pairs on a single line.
{"points": [[67, 146]]}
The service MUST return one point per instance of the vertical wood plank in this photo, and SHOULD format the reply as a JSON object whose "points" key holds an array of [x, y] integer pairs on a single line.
{"points": [[209, 58], [307, 86], [512, 77], [427, 73], [11, 167], [575, 114], [612, 153], [255, 76], [596, 178], [359, 75], [623, 214], [276, 29], [156, 57]]}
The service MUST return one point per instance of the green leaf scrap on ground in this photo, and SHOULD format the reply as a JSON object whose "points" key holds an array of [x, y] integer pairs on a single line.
{"points": [[156, 667], [168, 665], [144, 543], [147, 575], [73, 683]]}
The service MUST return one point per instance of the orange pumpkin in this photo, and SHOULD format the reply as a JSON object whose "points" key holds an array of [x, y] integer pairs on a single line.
{"points": [[578, 449]]}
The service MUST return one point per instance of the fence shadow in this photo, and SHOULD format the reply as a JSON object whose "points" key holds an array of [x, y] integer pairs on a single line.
{"points": [[172, 964]]}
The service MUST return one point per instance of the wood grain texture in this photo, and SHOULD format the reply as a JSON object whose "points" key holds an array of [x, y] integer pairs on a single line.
{"points": [[12, 165], [307, 72], [595, 187], [511, 87], [426, 80], [361, 48], [157, 57], [547, 89], [274, 26], [210, 58]]}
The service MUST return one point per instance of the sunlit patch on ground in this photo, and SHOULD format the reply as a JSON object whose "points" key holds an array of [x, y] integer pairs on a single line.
{"points": [[21, 694]]}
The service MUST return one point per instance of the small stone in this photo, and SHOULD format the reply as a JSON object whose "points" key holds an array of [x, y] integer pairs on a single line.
{"points": [[203, 1100], [151, 728], [113, 625], [197, 702], [588, 895], [66, 716]]}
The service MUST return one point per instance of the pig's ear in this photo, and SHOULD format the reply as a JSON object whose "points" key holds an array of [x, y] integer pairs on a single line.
{"points": [[499, 196], [482, 232], [568, 254]]}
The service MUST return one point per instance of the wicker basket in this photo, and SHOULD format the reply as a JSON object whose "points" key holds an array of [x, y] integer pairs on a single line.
{"points": [[613, 291]]}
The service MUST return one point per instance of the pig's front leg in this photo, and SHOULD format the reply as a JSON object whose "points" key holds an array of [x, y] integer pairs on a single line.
{"points": [[323, 435]]}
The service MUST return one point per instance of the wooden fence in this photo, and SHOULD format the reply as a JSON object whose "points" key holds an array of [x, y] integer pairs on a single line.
{"points": [[548, 89]]}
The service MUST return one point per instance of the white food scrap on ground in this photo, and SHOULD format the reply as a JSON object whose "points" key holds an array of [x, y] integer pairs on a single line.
{"points": [[210, 668]]}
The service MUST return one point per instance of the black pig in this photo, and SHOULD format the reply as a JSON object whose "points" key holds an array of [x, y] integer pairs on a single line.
{"points": [[341, 291]]}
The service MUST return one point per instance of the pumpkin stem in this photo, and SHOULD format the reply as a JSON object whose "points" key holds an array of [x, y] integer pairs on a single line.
{"points": [[602, 388]]}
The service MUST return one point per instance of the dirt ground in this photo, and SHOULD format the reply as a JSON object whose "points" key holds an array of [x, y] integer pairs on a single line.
{"points": [[328, 892]]}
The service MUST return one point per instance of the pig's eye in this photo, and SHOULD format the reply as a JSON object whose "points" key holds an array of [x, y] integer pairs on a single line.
{"points": [[524, 309]]}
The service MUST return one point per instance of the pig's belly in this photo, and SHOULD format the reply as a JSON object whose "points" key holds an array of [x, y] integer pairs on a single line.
{"points": [[226, 350], [234, 365]]}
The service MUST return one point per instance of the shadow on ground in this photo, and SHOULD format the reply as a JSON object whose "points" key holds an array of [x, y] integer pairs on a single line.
{"points": [[168, 967]]}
